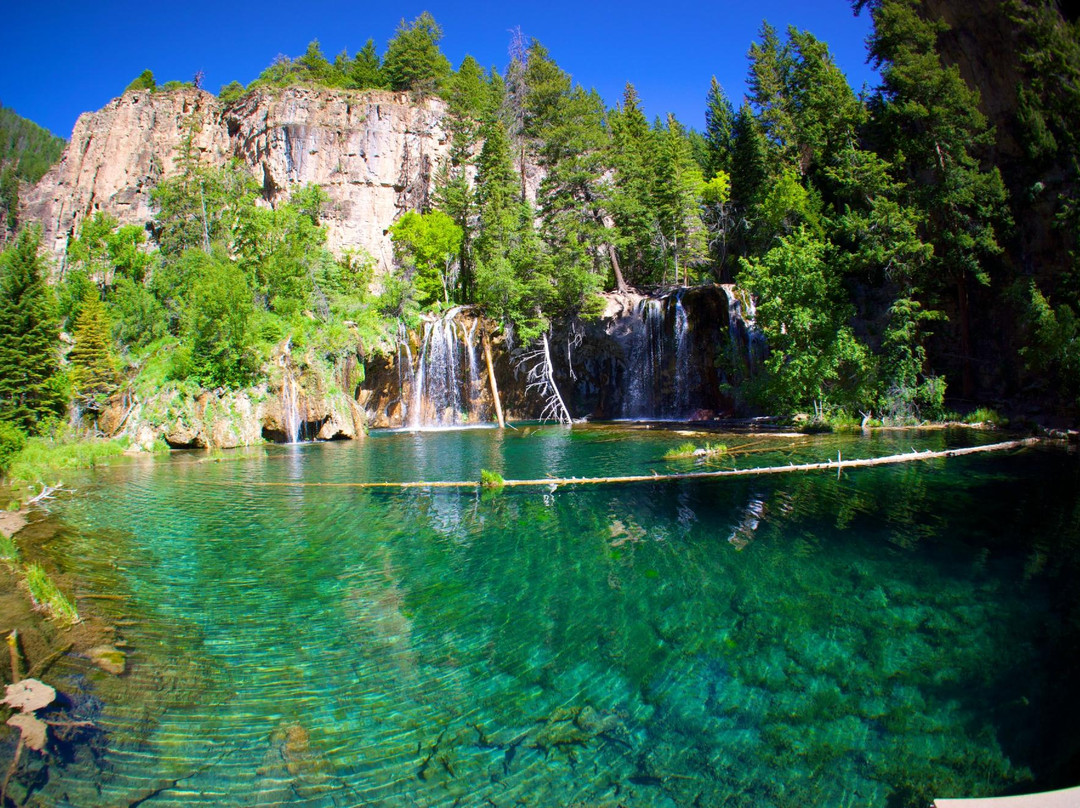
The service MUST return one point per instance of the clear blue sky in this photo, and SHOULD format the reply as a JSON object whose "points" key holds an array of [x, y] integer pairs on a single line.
{"points": [[65, 58]]}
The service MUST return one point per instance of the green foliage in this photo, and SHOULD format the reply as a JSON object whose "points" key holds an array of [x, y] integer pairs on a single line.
{"points": [[814, 355], [93, 366], [26, 149], [12, 441], [47, 596], [144, 81], [44, 460], [677, 195], [491, 479], [413, 60], [30, 382], [689, 449], [1053, 349], [217, 324], [231, 93], [428, 246]]}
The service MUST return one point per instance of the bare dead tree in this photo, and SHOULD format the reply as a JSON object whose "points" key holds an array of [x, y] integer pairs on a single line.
{"points": [[541, 379]]}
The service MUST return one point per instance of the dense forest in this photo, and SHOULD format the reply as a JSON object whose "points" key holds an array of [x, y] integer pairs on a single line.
{"points": [[883, 235], [26, 152]]}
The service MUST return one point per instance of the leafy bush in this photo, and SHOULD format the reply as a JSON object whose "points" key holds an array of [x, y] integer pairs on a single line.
{"points": [[12, 441]]}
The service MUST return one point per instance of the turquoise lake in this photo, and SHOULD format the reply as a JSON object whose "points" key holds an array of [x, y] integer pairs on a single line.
{"points": [[874, 639]]}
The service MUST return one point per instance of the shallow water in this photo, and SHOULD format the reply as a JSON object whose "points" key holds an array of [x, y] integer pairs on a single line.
{"points": [[890, 635]]}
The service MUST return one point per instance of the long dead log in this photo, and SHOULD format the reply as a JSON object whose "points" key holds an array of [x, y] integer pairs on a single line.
{"points": [[829, 465], [491, 379]]}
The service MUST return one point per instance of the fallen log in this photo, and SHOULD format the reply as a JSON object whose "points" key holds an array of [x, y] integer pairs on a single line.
{"points": [[828, 465]]}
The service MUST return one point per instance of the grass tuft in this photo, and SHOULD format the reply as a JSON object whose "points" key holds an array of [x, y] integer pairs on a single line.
{"points": [[46, 595]]}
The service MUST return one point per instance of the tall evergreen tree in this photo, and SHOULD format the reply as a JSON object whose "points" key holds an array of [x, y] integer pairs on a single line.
{"points": [[29, 337], [93, 372], [769, 82], [930, 120], [365, 71], [632, 203], [511, 269], [719, 130], [413, 60], [678, 203]]}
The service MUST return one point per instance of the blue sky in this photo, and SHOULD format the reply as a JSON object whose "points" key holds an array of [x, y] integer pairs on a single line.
{"points": [[75, 57]]}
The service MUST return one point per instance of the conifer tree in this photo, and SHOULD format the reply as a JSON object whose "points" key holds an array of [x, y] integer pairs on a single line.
{"points": [[930, 121], [93, 373], [413, 60], [511, 269], [678, 202], [719, 130], [365, 71], [632, 203], [29, 333]]}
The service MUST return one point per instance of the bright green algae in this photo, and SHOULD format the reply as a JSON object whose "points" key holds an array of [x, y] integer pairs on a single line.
{"points": [[877, 639]]}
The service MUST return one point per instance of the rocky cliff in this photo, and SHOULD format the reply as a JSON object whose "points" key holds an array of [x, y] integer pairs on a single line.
{"points": [[374, 152]]}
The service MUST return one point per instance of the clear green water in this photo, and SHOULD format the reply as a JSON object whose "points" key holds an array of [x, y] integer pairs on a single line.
{"points": [[874, 640]]}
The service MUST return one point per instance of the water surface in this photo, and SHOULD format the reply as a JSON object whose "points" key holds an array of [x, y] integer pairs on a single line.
{"points": [[869, 640]]}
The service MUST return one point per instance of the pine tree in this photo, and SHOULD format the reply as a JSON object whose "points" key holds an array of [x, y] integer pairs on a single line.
{"points": [[413, 60], [511, 269], [719, 130], [930, 120], [93, 373], [29, 333], [365, 71], [632, 203], [769, 83], [678, 201], [749, 176]]}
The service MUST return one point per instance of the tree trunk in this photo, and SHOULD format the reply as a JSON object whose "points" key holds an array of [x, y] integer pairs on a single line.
{"points": [[620, 282], [491, 379]]}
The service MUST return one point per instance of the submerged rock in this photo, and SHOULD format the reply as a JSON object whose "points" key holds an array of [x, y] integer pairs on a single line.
{"points": [[109, 658]]}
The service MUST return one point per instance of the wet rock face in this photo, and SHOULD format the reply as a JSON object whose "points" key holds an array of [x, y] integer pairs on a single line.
{"points": [[374, 153], [672, 356], [677, 356]]}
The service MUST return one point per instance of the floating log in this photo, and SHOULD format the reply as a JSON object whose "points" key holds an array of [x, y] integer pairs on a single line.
{"points": [[829, 465]]}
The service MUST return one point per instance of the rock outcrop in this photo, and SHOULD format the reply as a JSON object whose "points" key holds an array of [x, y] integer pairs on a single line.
{"points": [[374, 152]]}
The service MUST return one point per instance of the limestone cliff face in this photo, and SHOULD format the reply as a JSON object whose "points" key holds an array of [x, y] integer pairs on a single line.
{"points": [[375, 153], [115, 157]]}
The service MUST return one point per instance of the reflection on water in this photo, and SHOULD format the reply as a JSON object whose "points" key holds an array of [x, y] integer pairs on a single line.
{"points": [[877, 639]]}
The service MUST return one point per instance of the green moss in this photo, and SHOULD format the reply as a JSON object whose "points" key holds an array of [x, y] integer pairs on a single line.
{"points": [[491, 479]]}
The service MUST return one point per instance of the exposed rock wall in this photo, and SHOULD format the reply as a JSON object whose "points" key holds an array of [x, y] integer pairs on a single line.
{"points": [[375, 153], [115, 157]]}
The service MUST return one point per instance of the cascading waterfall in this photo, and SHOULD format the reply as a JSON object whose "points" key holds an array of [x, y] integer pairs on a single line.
{"points": [[743, 328], [681, 383], [437, 383], [290, 404], [679, 356]]}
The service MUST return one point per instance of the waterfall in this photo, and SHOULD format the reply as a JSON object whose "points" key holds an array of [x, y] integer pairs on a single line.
{"points": [[468, 335], [746, 338], [439, 379], [681, 383], [291, 421]]}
